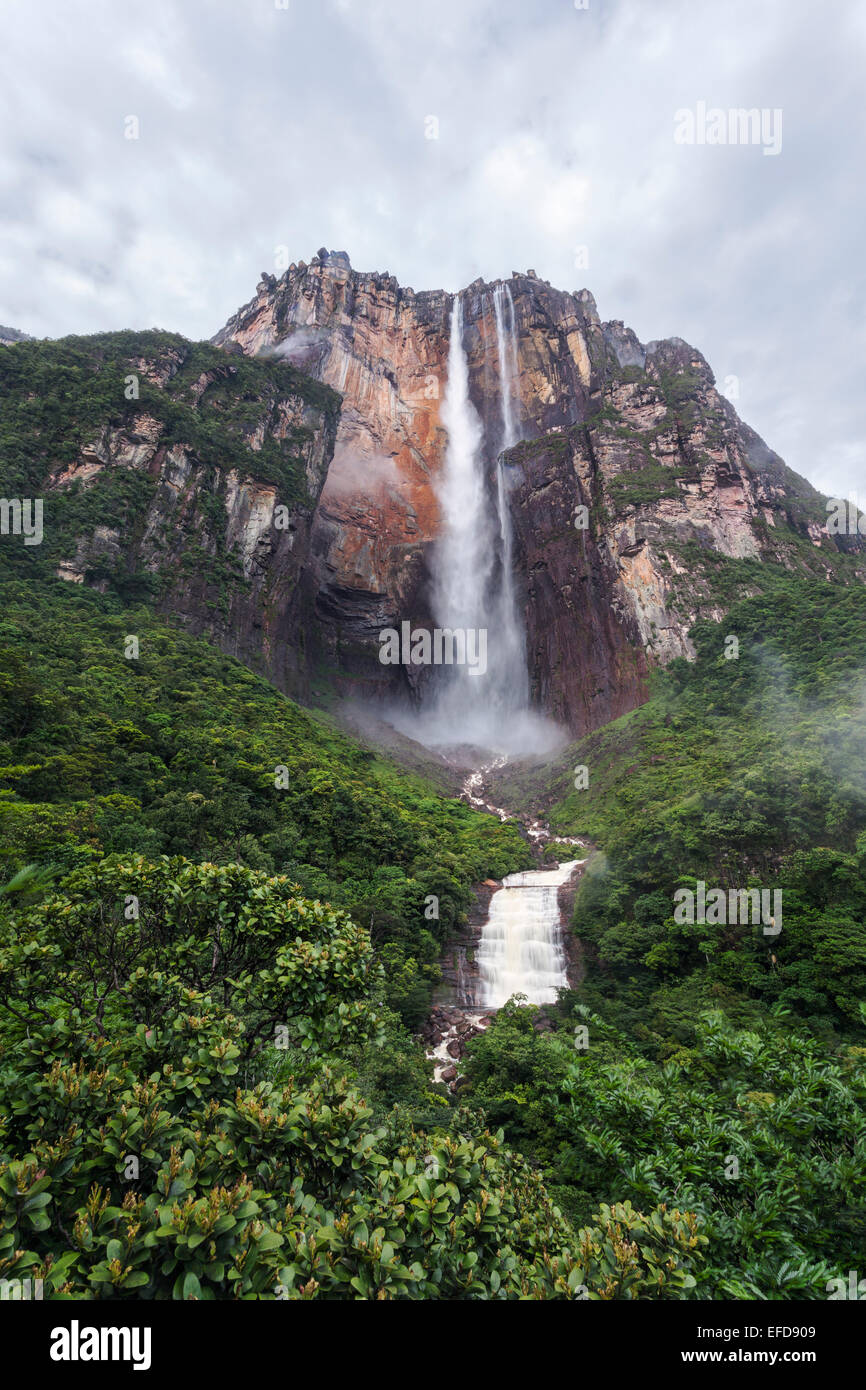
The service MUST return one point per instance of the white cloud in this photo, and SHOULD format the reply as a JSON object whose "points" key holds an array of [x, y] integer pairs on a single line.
{"points": [[304, 127]]}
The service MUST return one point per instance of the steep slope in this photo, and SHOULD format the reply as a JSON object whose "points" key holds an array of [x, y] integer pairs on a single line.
{"points": [[736, 772], [181, 750]]}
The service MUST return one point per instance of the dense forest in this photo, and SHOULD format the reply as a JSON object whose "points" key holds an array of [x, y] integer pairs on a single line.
{"points": [[210, 1089], [216, 951]]}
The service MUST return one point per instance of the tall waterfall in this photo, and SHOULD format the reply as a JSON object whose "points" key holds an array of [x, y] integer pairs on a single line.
{"points": [[472, 564], [466, 563], [513, 646], [463, 561], [520, 951]]}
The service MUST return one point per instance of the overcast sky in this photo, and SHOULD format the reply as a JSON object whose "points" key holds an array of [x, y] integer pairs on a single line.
{"points": [[263, 127]]}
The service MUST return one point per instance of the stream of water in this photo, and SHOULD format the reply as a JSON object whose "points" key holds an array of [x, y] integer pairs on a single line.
{"points": [[521, 946], [521, 950]]}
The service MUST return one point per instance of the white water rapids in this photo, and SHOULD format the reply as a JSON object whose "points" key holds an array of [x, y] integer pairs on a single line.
{"points": [[520, 951]]}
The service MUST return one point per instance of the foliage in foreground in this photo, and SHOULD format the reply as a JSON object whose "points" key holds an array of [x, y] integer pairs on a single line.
{"points": [[144, 1156], [759, 1132]]}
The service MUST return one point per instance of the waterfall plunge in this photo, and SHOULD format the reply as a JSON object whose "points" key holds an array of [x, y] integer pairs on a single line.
{"points": [[513, 646], [472, 565], [463, 561]]}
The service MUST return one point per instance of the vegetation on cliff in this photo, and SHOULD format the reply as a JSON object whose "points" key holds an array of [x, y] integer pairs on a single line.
{"points": [[183, 750], [58, 398]]}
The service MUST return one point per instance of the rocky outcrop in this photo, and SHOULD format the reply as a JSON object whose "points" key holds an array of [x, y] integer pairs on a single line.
{"points": [[190, 477], [384, 349], [8, 336], [636, 434], [622, 518], [459, 983]]}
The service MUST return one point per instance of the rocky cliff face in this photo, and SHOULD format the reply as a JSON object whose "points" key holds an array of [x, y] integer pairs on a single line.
{"points": [[624, 521], [384, 349], [634, 479], [182, 475], [277, 490]]}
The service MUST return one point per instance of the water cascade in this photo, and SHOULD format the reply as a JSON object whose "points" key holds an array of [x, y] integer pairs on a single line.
{"points": [[473, 586], [513, 649], [481, 700], [520, 951], [464, 555]]}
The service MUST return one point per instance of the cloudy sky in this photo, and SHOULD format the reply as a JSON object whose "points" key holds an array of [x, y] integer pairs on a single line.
{"points": [[262, 126]]}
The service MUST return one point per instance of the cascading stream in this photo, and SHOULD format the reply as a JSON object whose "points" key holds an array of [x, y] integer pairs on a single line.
{"points": [[520, 951]]}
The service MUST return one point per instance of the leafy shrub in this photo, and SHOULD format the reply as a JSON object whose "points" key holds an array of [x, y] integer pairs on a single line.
{"points": [[142, 1157]]}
